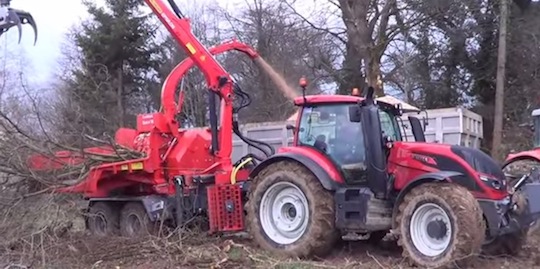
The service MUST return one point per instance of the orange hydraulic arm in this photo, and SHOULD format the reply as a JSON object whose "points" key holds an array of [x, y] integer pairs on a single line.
{"points": [[219, 83], [169, 87]]}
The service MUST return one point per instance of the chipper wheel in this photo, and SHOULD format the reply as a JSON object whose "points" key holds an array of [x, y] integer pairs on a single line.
{"points": [[134, 221], [103, 219], [438, 224], [290, 213]]}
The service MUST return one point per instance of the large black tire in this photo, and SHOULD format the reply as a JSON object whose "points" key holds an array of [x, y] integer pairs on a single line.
{"points": [[459, 210], [134, 221], [103, 219], [319, 236]]}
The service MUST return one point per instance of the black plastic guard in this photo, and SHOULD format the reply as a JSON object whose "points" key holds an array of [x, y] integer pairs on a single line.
{"points": [[532, 193]]}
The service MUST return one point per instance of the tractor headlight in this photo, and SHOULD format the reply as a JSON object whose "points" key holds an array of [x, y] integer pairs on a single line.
{"points": [[495, 183]]}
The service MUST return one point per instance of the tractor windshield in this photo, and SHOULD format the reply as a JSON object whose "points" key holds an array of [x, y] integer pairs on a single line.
{"points": [[328, 129]]}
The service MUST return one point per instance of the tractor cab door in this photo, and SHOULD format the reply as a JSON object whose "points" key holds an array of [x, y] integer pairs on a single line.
{"points": [[327, 128], [417, 130]]}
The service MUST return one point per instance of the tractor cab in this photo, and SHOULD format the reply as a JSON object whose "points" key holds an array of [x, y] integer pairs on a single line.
{"points": [[327, 124], [536, 126]]}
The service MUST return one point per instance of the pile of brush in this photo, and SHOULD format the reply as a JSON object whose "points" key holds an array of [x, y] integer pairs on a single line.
{"points": [[49, 164]]}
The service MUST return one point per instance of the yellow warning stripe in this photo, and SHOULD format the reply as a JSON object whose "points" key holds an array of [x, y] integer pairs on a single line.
{"points": [[191, 48], [134, 166]]}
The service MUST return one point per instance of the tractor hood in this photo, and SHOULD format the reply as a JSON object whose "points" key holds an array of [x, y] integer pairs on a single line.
{"points": [[454, 158]]}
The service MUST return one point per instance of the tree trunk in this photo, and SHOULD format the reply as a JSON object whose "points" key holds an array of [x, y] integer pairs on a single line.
{"points": [[352, 70], [119, 97], [499, 90], [374, 77]]}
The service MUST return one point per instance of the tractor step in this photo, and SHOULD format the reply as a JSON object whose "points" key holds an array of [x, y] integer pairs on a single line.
{"points": [[358, 210]]}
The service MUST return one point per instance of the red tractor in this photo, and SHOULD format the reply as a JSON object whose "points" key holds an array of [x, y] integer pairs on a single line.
{"points": [[349, 171]]}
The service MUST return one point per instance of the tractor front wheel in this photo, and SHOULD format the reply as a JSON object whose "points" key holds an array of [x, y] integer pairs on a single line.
{"points": [[290, 213], [440, 223]]}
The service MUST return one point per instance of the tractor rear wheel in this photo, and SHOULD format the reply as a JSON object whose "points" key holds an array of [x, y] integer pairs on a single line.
{"points": [[440, 223], [134, 221], [290, 213], [103, 219]]}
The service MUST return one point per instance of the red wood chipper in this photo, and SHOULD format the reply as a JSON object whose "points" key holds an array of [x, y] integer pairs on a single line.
{"points": [[349, 170]]}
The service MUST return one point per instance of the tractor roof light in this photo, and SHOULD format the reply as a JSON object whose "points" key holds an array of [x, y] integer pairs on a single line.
{"points": [[303, 82]]}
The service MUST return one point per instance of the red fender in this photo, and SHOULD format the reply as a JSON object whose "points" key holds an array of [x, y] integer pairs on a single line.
{"points": [[524, 155]]}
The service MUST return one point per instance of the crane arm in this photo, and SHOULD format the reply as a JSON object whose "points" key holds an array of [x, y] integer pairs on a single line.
{"points": [[168, 90], [180, 28], [220, 84]]}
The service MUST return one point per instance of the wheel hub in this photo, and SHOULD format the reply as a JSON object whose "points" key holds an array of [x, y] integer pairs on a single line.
{"points": [[289, 211], [284, 213], [430, 229], [437, 229]]}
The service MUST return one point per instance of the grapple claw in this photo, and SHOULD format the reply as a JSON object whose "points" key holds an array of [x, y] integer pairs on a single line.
{"points": [[26, 18], [15, 21], [10, 17]]}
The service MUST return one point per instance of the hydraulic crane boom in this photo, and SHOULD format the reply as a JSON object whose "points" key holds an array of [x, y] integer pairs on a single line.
{"points": [[173, 80], [219, 80]]}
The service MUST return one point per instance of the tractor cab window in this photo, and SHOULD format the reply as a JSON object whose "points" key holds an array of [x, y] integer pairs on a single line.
{"points": [[328, 129], [389, 126]]}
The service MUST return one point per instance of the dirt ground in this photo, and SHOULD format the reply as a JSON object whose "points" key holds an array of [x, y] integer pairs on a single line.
{"points": [[46, 232]]}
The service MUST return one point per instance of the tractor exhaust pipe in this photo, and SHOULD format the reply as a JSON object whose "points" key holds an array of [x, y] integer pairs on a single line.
{"points": [[10, 17]]}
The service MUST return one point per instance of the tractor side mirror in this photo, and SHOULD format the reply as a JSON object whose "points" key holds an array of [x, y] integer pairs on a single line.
{"points": [[425, 122], [417, 130], [355, 113], [291, 127]]}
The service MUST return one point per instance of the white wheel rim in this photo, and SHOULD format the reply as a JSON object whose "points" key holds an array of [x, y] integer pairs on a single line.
{"points": [[284, 213], [428, 241]]}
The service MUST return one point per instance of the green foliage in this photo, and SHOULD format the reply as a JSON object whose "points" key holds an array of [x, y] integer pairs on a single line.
{"points": [[116, 58]]}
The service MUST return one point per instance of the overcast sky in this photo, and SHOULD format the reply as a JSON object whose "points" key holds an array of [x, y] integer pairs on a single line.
{"points": [[53, 22]]}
